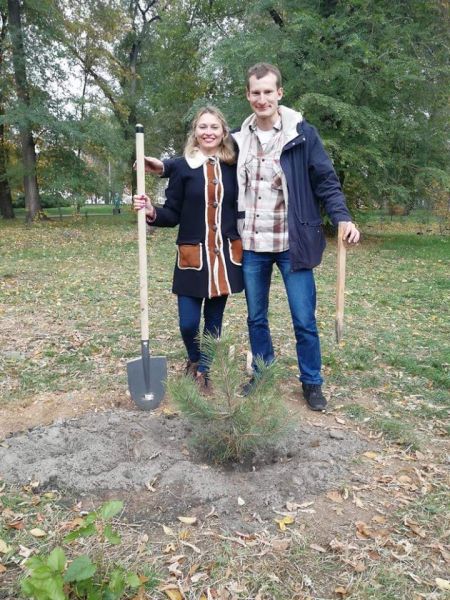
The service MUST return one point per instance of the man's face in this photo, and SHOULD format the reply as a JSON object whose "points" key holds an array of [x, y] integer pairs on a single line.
{"points": [[264, 96]]}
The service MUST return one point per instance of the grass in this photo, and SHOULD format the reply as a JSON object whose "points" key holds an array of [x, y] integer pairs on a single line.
{"points": [[69, 310], [72, 285], [269, 564]]}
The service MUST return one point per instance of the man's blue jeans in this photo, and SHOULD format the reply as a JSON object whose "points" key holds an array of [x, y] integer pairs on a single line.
{"points": [[189, 314], [301, 294]]}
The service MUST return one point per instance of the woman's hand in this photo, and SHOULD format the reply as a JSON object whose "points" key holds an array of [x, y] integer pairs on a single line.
{"points": [[143, 201], [153, 165]]}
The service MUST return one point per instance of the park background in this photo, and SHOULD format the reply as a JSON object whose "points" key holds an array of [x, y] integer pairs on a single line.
{"points": [[373, 77]]}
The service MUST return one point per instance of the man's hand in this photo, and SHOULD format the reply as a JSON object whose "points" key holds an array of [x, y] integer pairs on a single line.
{"points": [[351, 233], [143, 201]]}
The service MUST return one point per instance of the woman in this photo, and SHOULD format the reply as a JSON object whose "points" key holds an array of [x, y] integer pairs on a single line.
{"points": [[202, 199]]}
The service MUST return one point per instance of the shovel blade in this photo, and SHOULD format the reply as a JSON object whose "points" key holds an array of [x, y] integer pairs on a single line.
{"points": [[147, 399]]}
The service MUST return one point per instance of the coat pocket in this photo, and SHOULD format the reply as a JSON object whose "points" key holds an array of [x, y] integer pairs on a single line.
{"points": [[235, 248], [190, 256]]}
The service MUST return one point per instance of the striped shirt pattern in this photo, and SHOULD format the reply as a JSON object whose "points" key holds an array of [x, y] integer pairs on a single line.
{"points": [[265, 227]]}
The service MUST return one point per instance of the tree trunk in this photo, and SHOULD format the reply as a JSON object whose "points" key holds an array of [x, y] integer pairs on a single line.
{"points": [[32, 200], [6, 207]]}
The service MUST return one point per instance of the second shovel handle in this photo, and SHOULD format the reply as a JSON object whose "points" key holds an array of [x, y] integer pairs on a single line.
{"points": [[340, 282]]}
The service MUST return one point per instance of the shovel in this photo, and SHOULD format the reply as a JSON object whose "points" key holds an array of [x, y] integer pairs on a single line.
{"points": [[340, 283], [147, 374]]}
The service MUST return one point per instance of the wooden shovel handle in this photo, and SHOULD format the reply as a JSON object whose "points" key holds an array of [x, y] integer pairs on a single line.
{"points": [[340, 282], [142, 233]]}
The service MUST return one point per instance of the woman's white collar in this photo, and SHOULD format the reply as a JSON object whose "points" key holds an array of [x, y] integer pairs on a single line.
{"points": [[197, 159]]}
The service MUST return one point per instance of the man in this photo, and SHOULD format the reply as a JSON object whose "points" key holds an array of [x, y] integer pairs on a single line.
{"points": [[284, 176]]}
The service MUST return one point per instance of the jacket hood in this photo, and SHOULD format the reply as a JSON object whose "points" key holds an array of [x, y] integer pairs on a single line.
{"points": [[289, 118]]}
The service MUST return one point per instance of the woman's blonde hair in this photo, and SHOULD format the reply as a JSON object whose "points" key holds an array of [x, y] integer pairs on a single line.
{"points": [[226, 151]]}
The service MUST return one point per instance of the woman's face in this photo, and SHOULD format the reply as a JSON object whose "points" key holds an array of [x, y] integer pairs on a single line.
{"points": [[209, 133]]}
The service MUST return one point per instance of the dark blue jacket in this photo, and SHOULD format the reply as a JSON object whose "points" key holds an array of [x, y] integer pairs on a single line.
{"points": [[312, 183]]}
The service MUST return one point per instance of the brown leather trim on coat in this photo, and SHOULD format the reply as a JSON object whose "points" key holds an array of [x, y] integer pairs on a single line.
{"points": [[236, 251], [214, 242], [190, 256]]}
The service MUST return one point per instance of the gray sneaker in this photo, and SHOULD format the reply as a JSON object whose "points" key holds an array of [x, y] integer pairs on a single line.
{"points": [[314, 396]]}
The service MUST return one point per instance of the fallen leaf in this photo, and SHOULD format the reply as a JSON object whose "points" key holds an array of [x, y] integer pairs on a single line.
{"points": [[340, 421], [18, 524], [357, 501], [24, 551], [405, 479], [168, 530], [188, 520], [174, 570], [281, 545], [241, 501], [175, 559], [293, 506], [359, 566], [317, 548], [335, 496], [371, 455], [174, 594], [199, 577], [184, 534], [415, 527], [36, 532], [2, 568], [443, 584], [4, 548], [341, 591], [169, 413], [363, 530], [194, 548], [285, 521], [379, 519]]}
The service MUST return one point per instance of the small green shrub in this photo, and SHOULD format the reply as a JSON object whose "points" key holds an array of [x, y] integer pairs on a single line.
{"points": [[50, 578], [228, 426]]}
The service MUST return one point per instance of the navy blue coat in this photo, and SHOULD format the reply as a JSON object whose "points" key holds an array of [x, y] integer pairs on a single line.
{"points": [[312, 182], [200, 241]]}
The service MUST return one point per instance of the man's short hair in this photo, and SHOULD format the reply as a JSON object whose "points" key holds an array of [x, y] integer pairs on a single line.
{"points": [[261, 70]]}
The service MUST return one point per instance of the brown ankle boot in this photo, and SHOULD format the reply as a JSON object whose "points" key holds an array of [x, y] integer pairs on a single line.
{"points": [[191, 368]]}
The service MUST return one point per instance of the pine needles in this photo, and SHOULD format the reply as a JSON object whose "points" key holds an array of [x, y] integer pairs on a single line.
{"points": [[228, 426]]}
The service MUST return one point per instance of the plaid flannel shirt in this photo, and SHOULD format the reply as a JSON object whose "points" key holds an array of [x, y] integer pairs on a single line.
{"points": [[265, 227]]}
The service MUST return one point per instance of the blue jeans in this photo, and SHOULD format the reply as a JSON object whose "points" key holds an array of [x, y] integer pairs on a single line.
{"points": [[301, 294], [189, 314]]}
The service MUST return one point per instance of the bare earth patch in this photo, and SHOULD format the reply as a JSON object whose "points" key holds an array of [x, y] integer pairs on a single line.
{"points": [[46, 408], [118, 451]]}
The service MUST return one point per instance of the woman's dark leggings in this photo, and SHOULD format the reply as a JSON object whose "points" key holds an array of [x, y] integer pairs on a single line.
{"points": [[189, 313]]}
